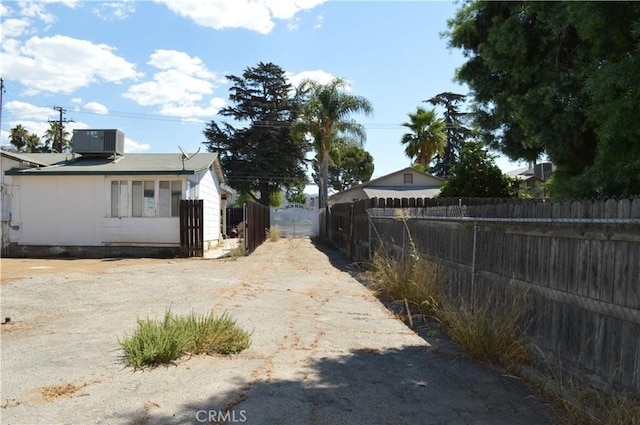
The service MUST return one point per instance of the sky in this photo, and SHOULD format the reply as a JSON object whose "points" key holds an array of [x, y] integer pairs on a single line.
{"points": [[156, 69]]}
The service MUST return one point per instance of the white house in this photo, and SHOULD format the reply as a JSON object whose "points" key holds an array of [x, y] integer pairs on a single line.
{"points": [[93, 205], [405, 183]]}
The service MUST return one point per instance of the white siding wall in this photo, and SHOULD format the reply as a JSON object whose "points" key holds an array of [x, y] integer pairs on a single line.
{"points": [[74, 211], [209, 191], [131, 231], [8, 200], [57, 210]]}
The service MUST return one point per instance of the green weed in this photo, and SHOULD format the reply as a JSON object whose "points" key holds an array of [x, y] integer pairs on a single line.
{"points": [[157, 342]]}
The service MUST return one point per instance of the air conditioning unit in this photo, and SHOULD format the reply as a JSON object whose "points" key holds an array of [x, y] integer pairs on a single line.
{"points": [[98, 142]]}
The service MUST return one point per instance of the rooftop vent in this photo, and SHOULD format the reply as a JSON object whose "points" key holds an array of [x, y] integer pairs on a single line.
{"points": [[98, 142]]}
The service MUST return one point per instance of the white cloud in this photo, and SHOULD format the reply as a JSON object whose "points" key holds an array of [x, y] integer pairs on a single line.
{"points": [[170, 86], [97, 108], [131, 146], [181, 83], [17, 111], [5, 11], [114, 10], [61, 64], [35, 119], [13, 28], [254, 15], [180, 61], [191, 110], [36, 10], [319, 76], [286, 9]]}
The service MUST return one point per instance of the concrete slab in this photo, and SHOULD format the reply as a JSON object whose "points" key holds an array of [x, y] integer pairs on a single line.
{"points": [[324, 350]]}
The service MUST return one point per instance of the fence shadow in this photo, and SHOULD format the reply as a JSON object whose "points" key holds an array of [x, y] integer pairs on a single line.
{"points": [[408, 385]]}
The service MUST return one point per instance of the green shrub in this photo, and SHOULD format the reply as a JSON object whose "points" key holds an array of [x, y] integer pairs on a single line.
{"points": [[157, 342]]}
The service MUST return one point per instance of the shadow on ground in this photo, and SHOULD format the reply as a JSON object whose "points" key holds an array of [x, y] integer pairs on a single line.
{"points": [[411, 385]]}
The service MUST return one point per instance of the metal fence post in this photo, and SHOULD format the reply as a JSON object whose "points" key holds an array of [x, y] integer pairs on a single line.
{"points": [[473, 266]]}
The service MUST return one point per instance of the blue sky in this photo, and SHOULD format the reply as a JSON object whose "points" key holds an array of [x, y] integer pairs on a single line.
{"points": [[156, 69]]}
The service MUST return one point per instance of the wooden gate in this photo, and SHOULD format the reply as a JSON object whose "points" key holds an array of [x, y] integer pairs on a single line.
{"points": [[257, 225], [192, 228]]}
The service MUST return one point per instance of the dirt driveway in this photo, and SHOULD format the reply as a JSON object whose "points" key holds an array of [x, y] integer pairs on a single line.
{"points": [[324, 350]]}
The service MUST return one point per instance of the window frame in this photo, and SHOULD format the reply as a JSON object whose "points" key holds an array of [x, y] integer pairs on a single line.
{"points": [[140, 198]]}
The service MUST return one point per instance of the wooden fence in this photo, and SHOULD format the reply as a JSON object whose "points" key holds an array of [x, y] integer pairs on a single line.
{"points": [[235, 216], [256, 226], [578, 261], [191, 228]]}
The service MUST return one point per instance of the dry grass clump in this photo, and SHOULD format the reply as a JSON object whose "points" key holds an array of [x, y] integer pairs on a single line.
{"points": [[490, 328], [274, 233], [239, 250], [585, 405], [491, 332], [408, 279]]}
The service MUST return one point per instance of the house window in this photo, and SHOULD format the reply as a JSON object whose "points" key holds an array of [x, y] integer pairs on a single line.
{"points": [[169, 197], [119, 198], [143, 198], [408, 178], [192, 190]]}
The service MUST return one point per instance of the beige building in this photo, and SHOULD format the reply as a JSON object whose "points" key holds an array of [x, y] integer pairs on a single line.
{"points": [[405, 183]]}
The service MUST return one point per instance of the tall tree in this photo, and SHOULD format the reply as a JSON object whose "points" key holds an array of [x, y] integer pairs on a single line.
{"points": [[296, 195], [457, 133], [476, 175], [326, 115], [557, 78], [261, 157], [34, 144], [350, 166], [427, 137], [18, 137], [57, 137]]}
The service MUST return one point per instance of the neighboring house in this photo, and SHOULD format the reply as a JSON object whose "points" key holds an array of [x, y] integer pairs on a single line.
{"points": [[532, 178], [99, 204], [405, 183]]}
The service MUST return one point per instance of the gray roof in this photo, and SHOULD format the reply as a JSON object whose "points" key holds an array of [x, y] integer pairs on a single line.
{"points": [[392, 192], [38, 159], [128, 164]]}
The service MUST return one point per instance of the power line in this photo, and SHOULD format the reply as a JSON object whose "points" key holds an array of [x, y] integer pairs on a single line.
{"points": [[61, 123], [184, 120]]}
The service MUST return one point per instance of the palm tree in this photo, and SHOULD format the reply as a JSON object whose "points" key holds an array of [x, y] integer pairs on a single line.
{"points": [[325, 116], [18, 137], [427, 137], [57, 136], [34, 144]]}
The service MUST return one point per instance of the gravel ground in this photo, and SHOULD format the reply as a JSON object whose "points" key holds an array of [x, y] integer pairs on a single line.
{"points": [[324, 349]]}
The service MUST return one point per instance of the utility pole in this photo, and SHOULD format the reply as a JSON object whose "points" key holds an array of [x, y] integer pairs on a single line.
{"points": [[1, 92], [60, 124]]}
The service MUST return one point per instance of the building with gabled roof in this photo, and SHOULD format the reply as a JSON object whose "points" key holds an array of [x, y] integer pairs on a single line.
{"points": [[405, 183], [105, 205]]}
